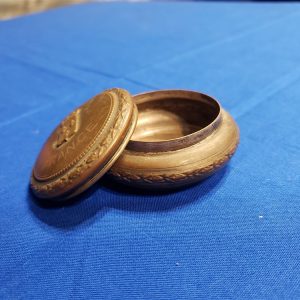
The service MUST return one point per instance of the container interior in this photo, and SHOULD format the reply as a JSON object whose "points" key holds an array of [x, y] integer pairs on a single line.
{"points": [[172, 118]]}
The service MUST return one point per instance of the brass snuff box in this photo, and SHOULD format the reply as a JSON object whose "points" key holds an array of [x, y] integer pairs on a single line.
{"points": [[181, 137], [156, 140]]}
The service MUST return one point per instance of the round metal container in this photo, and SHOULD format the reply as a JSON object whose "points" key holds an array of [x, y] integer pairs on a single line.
{"points": [[181, 137]]}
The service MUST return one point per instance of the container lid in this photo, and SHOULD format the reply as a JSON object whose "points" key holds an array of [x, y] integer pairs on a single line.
{"points": [[84, 146]]}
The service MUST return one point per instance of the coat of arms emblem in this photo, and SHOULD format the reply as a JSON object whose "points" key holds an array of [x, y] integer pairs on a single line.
{"points": [[67, 128]]}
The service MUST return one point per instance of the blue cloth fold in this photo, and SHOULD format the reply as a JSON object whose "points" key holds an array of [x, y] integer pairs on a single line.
{"points": [[234, 236]]}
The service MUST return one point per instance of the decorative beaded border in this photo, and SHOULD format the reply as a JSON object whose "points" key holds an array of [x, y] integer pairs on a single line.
{"points": [[171, 178], [85, 164]]}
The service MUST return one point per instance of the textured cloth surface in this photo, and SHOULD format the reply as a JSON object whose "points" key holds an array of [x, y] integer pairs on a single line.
{"points": [[234, 236]]}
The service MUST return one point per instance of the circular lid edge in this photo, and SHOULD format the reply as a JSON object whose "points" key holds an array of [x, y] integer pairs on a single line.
{"points": [[98, 161]]}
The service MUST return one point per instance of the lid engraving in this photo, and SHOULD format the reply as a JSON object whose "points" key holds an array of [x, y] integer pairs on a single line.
{"points": [[80, 148]]}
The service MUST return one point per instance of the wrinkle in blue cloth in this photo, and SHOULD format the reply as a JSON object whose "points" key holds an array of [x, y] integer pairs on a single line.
{"points": [[235, 235]]}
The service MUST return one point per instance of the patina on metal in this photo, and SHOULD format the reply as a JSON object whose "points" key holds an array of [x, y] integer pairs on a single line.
{"points": [[84, 145], [177, 138], [181, 137]]}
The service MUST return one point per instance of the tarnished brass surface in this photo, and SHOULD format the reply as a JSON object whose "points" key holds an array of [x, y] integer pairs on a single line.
{"points": [[181, 137], [84, 145]]}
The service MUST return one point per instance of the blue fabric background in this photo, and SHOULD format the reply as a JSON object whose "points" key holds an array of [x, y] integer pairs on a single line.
{"points": [[234, 236]]}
